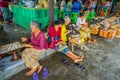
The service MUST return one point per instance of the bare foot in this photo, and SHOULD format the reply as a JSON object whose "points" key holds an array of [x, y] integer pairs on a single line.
{"points": [[39, 68], [30, 72], [79, 59]]}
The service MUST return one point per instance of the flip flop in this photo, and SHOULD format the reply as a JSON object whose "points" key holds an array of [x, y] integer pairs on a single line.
{"points": [[66, 62], [80, 66], [35, 76]]}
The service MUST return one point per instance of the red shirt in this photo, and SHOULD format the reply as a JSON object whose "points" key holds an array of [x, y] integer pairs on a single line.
{"points": [[3, 3], [52, 34]]}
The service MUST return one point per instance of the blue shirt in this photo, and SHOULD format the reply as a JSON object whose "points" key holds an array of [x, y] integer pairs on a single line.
{"points": [[77, 6]]}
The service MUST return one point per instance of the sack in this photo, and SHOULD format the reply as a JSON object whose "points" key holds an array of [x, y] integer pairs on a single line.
{"points": [[118, 32], [94, 30], [103, 33], [111, 34]]}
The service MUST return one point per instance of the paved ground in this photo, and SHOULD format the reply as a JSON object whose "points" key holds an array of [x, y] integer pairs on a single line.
{"points": [[101, 61]]}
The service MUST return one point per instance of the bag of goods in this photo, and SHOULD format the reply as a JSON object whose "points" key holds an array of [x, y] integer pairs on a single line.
{"points": [[118, 33], [43, 4], [94, 30], [111, 34], [103, 33]]}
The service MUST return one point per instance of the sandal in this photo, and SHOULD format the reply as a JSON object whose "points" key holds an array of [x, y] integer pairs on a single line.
{"points": [[35, 76], [66, 62], [80, 66]]}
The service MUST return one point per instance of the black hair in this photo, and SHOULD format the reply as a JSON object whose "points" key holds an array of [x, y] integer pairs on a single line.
{"points": [[61, 20], [75, 0], [56, 23], [66, 1], [81, 14]]}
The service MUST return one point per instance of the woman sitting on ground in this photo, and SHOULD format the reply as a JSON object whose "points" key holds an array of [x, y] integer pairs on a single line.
{"points": [[36, 46], [55, 35], [67, 7], [80, 21], [65, 22], [85, 33], [5, 10], [77, 6]]}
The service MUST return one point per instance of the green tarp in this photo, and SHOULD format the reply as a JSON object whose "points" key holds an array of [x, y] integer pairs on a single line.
{"points": [[23, 15]]}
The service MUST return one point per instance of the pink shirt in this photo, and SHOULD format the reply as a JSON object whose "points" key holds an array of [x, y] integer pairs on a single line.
{"points": [[93, 4], [39, 42], [108, 4]]}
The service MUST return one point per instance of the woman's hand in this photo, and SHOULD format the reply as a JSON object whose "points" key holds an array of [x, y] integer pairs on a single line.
{"points": [[10, 3], [62, 42], [24, 39], [68, 31], [28, 45]]}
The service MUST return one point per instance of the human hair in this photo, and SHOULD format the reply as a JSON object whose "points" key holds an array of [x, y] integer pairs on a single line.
{"points": [[66, 18], [75, 0], [81, 14], [66, 1], [61, 20], [36, 24], [57, 22]]}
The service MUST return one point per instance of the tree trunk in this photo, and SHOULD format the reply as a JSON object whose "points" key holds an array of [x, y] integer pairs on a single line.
{"points": [[51, 8]]}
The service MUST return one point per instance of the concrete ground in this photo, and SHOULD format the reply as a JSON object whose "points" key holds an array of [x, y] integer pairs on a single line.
{"points": [[101, 61]]}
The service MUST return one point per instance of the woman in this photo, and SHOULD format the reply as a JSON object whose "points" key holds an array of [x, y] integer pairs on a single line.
{"points": [[80, 21], [61, 45], [77, 6], [32, 52], [85, 34], [64, 31], [93, 4], [68, 7], [54, 35], [5, 11], [108, 4], [62, 5]]}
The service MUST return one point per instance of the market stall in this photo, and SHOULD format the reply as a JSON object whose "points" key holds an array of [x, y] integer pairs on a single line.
{"points": [[108, 28], [24, 15]]}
